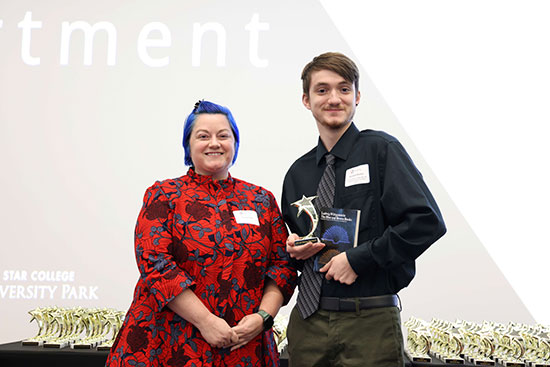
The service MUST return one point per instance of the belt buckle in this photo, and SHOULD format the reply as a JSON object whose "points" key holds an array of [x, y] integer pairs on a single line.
{"points": [[351, 304], [357, 306]]}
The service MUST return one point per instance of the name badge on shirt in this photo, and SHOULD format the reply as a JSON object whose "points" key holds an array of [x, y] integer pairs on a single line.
{"points": [[246, 217], [357, 175]]}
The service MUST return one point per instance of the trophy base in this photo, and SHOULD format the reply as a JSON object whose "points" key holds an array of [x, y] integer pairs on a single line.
{"points": [[419, 357], [104, 347], [506, 363], [32, 343], [453, 360], [482, 362], [56, 345], [82, 346], [538, 364], [303, 241]]}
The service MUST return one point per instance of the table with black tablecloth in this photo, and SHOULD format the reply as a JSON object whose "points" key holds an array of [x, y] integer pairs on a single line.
{"points": [[16, 355]]}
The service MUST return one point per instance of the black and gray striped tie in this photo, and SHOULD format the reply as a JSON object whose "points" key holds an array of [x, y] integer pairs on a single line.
{"points": [[311, 281]]}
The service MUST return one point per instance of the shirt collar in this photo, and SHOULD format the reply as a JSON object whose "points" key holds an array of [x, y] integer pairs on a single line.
{"points": [[342, 148], [226, 184]]}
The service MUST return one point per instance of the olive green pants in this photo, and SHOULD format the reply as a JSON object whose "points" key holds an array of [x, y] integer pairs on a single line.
{"points": [[368, 338]]}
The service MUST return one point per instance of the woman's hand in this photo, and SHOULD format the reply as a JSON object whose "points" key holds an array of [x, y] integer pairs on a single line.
{"points": [[252, 325], [213, 329], [217, 332], [247, 329]]}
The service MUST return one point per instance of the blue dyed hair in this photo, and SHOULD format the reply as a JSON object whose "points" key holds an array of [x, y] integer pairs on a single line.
{"points": [[211, 108]]}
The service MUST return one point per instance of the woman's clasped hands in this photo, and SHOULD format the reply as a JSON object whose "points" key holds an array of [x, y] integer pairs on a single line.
{"points": [[219, 334]]}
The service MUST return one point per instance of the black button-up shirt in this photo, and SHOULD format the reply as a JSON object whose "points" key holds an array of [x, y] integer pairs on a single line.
{"points": [[399, 216]]}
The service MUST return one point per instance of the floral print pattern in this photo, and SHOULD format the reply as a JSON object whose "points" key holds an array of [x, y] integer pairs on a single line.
{"points": [[188, 237]]}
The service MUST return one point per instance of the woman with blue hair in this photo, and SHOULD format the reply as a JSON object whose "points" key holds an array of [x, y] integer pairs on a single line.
{"points": [[211, 253]]}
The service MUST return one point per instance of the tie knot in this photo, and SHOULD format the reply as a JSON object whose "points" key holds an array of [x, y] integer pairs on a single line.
{"points": [[330, 159]]}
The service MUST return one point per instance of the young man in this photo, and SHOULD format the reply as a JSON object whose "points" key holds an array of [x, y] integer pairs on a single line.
{"points": [[356, 320]]}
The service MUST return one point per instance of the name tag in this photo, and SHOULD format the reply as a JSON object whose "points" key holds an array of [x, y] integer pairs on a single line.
{"points": [[357, 175], [246, 217]]}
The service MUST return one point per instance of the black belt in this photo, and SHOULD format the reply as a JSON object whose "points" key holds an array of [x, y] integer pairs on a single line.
{"points": [[355, 304]]}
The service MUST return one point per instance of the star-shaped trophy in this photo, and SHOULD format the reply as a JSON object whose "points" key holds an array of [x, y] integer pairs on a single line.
{"points": [[305, 204]]}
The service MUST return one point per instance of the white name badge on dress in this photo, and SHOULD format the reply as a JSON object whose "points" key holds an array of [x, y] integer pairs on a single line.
{"points": [[357, 175], [246, 217]]}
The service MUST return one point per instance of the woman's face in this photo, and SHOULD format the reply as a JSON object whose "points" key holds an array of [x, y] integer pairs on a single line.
{"points": [[212, 145]]}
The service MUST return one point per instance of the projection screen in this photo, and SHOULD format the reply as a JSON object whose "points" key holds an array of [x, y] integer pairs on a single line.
{"points": [[93, 96]]}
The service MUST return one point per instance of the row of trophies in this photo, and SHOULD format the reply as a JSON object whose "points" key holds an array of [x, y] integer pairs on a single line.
{"points": [[87, 328], [486, 344], [78, 328]]}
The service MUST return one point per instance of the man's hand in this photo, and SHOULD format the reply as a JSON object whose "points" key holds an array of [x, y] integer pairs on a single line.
{"points": [[339, 269], [247, 329], [304, 251]]}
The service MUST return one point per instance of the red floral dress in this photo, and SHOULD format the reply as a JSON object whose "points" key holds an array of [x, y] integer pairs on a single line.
{"points": [[187, 236]]}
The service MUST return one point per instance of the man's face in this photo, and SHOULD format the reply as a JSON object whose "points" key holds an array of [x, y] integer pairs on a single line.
{"points": [[331, 100]]}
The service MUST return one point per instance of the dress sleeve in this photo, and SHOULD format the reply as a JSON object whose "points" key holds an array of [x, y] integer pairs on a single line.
{"points": [[154, 248], [411, 215], [279, 268]]}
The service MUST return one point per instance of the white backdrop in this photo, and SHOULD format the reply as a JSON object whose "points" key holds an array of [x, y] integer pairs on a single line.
{"points": [[87, 124], [469, 81]]}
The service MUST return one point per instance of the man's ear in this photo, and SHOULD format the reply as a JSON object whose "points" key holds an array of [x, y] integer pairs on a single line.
{"points": [[357, 98], [305, 101]]}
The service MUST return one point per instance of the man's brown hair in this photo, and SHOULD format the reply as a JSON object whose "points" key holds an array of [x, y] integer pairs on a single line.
{"points": [[333, 61]]}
